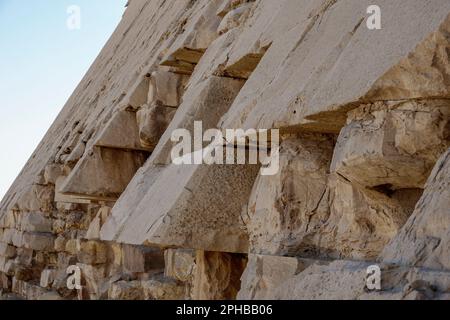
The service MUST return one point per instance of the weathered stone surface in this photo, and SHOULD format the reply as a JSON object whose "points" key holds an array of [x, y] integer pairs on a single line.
{"points": [[36, 222], [121, 132], [93, 233], [47, 278], [37, 198], [424, 239], [7, 251], [281, 206], [359, 223], [217, 275], [263, 274], [271, 277], [142, 259], [167, 88], [161, 288], [198, 203], [38, 241], [126, 290], [307, 67], [198, 33], [93, 276], [329, 42], [52, 173], [103, 174], [179, 264], [234, 18], [396, 145], [153, 120], [92, 252]]}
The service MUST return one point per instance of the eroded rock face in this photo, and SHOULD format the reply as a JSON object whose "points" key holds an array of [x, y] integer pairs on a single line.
{"points": [[360, 136], [395, 145], [424, 239], [281, 207], [217, 275]]}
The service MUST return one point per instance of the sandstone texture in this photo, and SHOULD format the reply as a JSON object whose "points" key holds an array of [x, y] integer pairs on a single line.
{"points": [[364, 159]]}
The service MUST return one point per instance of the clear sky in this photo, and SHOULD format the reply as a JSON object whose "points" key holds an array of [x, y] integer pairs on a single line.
{"points": [[41, 62]]}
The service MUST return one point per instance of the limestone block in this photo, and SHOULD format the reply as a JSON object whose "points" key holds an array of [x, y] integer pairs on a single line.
{"points": [[139, 259], [263, 274], [199, 32], [8, 235], [47, 278], [76, 154], [234, 18], [10, 219], [152, 121], [217, 275], [50, 296], [138, 93], [360, 222], [60, 244], [24, 273], [197, 200], [346, 280], [103, 174], [395, 146], [18, 287], [33, 292], [8, 266], [224, 8], [167, 88], [52, 172], [39, 241], [117, 254], [46, 258], [36, 222], [329, 42], [7, 251], [424, 239], [24, 256], [18, 238], [179, 264], [93, 276], [121, 132], [5, 281], [160, 288], [66, 202], [92, 252], [93, 232], [59, 226], [36, 198], [72, 246], [283, 207], [197, 101], [126, 290]]}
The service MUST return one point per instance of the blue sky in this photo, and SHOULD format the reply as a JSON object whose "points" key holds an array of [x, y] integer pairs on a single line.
{"points": [[41, 63]]}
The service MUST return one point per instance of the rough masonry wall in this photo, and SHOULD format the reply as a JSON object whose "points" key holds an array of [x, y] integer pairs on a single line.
{"points": [[364, 118]]}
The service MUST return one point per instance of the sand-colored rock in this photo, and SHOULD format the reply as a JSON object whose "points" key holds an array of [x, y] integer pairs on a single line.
{"points": [[217, 275], [101, 191], [393, 145], [424, 239], [103, 174], [282, 207]]}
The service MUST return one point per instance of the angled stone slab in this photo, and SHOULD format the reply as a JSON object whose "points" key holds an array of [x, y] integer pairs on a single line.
{"points": [[395, 144], [103, 174], [192, 206], [121, 132], [329, 62], [199, 31], [424, 239]]}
